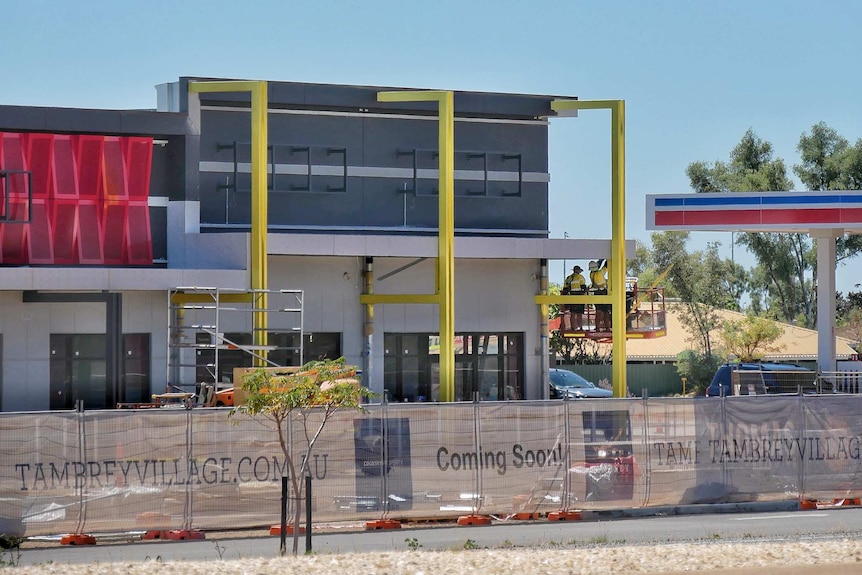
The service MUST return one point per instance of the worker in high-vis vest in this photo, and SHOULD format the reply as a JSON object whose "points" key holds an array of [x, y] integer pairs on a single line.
{"points": [[573, 314], [599, 286]]}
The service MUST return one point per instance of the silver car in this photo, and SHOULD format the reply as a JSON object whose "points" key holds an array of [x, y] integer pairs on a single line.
{"points": [[568, 384]]}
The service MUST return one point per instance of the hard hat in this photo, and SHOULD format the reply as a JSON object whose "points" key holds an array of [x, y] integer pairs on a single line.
{"points": [[593, 266], [577, 269]]}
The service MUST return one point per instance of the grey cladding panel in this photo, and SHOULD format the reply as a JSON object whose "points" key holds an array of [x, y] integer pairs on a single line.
{"points": [[221, 128], [384, 137], [87, 121], [21, 118], [320, 131], [159, 227], [324, 209], [345, 97], [381, 190], [502, 213], [530, 141], [166, 177], [504, 105]]}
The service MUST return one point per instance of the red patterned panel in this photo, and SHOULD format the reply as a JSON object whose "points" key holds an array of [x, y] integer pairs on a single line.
{"points": [[40, 241], [2, 199], [88, 156], [114, 216], [89, 199], [88, 150], [139, 239], [13, 236], [2, 191], [65, 171], [39, 160], [115, 207], [64, 211], [139, 157], [90, 247]]}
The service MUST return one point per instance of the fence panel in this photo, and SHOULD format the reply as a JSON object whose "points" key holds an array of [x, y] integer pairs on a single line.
{"points": [[828, 447], [111, 471]]}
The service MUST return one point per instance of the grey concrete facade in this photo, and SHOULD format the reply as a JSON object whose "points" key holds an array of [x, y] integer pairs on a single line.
{"points": [[350, 179]]}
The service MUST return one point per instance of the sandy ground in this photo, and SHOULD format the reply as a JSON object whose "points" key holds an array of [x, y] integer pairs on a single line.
{"points": [[787, 558]]}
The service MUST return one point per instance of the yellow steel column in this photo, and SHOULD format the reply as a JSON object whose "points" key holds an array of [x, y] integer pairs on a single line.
{"points": [[259, 209], [444, 294], [446, 248], [259, 217], [616, 287], [618, 246]]}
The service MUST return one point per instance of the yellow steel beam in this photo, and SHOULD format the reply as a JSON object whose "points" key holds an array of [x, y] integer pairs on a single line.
{"points": [[370, 299], [259, 205], [568, 299], [209, 87], [205, 298], [445, 273], [616, 288]]}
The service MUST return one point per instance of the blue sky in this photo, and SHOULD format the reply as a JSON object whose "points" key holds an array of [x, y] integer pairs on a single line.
{"points": [[695, 75]]}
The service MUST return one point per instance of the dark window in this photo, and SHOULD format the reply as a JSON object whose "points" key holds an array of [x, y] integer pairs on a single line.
{"points": [[78, 370], [406, 368], [490, 364], [314, 346]]}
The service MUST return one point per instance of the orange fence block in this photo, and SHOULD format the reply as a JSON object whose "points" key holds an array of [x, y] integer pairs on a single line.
{"points": [[184, 534], [276, 530], [382, 524], [564, 516], [77, 539], [474, 520]]}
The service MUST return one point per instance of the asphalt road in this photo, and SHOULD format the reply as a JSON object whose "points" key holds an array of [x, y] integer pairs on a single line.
{"points": [[775, 524]]}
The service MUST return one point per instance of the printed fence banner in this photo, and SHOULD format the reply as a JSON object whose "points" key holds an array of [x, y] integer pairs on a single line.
{"points": [[128, 470]]}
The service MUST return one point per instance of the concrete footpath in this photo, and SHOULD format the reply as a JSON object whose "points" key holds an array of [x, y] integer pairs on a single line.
{"points": [[597, 534]]}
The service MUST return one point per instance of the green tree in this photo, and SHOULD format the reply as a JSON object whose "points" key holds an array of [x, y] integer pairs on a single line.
{"points": [[749, 339], [559, 345], [312, 395], [821, 152], [845, 305], [853, 326], [786, 260], [851, 168], [698, 369], [701, 280], [828, 162], [786, 275]]}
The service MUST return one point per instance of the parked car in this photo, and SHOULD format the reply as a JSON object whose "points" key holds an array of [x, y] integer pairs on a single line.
{"points": [[760, 378], [565, 383]]}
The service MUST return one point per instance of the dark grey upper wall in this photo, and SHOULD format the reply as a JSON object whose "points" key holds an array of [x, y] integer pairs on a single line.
{"points": [[494, 133], [364, 98], [89, 121], [501, 161]]}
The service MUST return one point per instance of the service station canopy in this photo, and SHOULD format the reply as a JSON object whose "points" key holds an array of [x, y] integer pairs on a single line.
{"points": [[824, 215]]}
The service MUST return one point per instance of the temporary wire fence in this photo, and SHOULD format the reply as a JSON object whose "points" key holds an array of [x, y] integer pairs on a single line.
{"points": [[157, 469]]}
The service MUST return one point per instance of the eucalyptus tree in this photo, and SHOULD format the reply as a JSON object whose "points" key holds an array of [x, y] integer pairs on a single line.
{"points": [[786, 259]]}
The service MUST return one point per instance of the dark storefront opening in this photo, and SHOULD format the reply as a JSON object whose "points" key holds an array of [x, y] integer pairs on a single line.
{"points": [[490, 364]]}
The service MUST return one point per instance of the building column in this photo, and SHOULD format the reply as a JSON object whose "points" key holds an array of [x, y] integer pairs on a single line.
{"points": [[826, 263]]}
